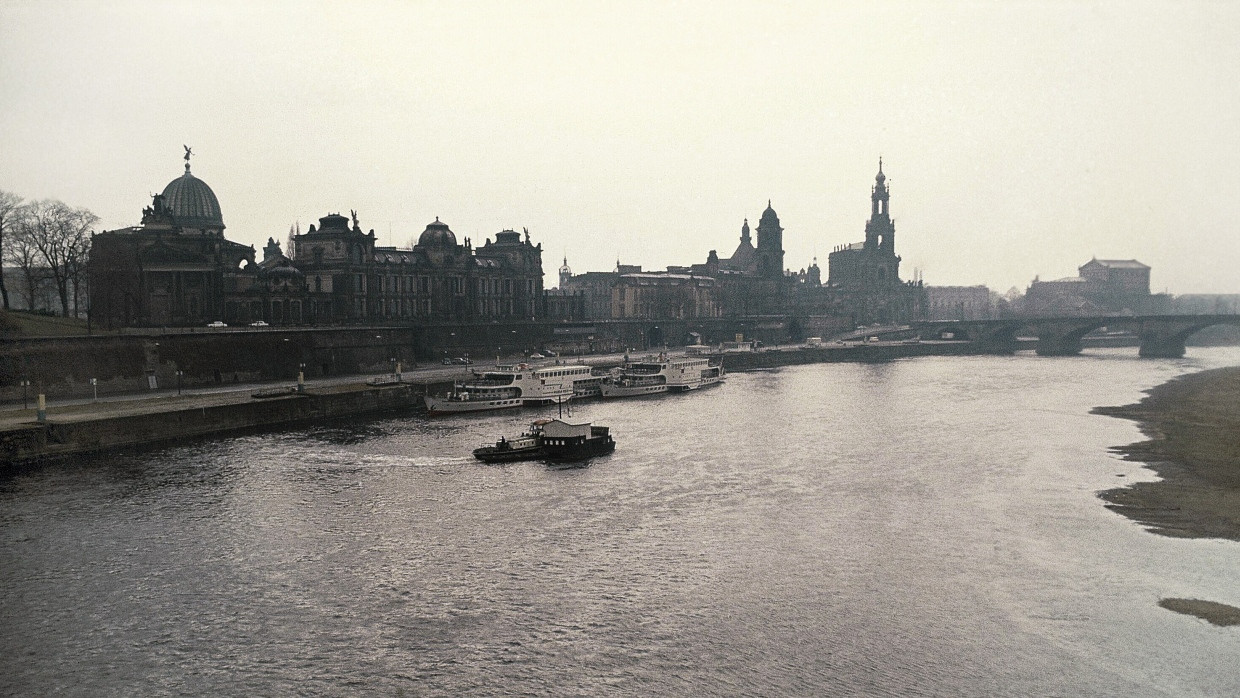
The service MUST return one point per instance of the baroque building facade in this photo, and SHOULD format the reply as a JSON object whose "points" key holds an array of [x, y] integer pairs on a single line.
{"points": [[959, 303], [350, 278], [177, 269]]}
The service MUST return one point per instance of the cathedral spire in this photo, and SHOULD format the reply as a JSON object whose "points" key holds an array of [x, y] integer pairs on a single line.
{"points": [[879, 197]]}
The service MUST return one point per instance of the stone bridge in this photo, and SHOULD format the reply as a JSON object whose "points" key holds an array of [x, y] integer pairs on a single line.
{"points": [[1161, 336]]}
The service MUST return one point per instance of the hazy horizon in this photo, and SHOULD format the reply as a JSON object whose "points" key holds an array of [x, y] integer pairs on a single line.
{"points": [[1019, 139]]}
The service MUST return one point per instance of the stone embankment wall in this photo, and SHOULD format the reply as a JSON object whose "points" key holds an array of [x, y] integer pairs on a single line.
{"points": [[64, 367], [69, 436], [750, 360]]}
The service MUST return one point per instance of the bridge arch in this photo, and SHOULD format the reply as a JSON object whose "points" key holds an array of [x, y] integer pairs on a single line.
{"points": [[1165, 337], [1161, 336]]}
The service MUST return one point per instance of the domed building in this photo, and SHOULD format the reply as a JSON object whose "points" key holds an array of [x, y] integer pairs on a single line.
{"points": [[191, 203], [175, 268], [770, 245]]}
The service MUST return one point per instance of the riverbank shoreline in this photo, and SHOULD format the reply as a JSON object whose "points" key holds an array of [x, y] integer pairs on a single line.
{"points": [[1192, 425], [89, 428]]}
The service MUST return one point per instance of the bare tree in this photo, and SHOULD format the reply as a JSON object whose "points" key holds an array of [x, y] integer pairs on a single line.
{"points": [[9, 203], [77, 259], [22, 253], [61, 235]]}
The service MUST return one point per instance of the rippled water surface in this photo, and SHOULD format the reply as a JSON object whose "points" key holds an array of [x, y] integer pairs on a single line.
{"points": [[919, 527]]}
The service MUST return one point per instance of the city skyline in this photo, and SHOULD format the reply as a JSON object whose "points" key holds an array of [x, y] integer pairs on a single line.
{"points": [[1019, 141]]}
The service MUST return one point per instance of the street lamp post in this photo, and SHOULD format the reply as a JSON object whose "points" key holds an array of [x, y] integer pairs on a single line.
{"points": [[94, 384], [180, 374]]}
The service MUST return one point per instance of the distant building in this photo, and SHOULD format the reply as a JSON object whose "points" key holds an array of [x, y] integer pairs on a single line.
{"points": [[745, 259], [864, 278], [958, 303], [1102, 287], [565, 304], [275, 293], [593, 289], [664, 296], [176, 268], [351, 279], [1118, 276], [752, 281], [1206, 304]]}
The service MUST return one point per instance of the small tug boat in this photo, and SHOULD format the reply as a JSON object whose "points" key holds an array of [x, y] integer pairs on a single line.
{"points": [[550, 439], [527, 446]]}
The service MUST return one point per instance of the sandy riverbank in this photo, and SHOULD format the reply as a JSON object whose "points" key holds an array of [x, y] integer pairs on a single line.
{"points": [[1193, 425]]}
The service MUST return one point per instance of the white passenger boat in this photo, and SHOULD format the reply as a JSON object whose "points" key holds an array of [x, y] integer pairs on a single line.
{"points": [[513, 386], [661, 375]]}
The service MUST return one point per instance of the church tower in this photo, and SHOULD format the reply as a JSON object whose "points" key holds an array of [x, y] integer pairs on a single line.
{"points": [[880, 231], [770, 245], [565, 273]]}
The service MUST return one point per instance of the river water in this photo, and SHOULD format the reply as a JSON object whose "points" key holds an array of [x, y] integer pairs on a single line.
{"points": [[924, 527]]}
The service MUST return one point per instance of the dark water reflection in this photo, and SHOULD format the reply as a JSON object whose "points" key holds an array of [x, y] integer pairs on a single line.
{"points": [[925, 527]]}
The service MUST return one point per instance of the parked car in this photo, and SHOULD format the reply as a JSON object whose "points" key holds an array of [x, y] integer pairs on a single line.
{"points": [[536, 355], [463, 360], [217, 323], [258, 323]]}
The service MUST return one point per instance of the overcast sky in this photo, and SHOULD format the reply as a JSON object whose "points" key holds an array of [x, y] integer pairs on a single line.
{"points": [[1019, 139]]}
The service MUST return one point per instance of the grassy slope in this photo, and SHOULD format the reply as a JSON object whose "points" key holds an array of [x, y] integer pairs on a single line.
{"points": [[31, 325]]}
